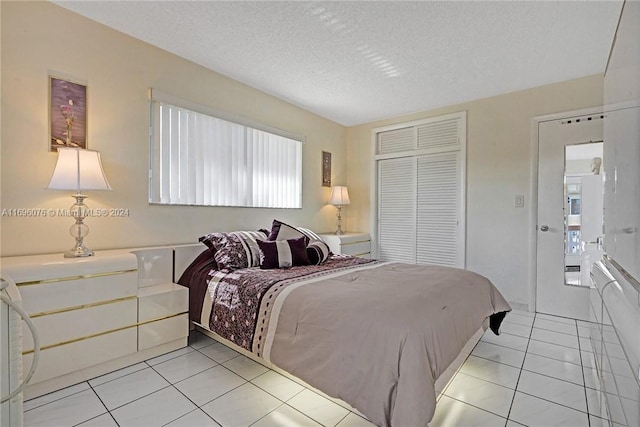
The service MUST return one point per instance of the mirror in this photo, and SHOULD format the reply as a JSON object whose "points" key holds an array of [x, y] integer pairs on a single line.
{"points": [[583, 211]]}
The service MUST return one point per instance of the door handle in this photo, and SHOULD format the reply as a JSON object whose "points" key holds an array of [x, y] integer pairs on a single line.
{"points": [[544, 228]]}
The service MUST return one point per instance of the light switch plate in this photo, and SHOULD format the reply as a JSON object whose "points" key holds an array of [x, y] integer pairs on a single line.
{"points": [[519, 202]]}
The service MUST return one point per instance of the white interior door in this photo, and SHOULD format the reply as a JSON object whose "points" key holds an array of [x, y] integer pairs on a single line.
{"points": [[553, 296]]}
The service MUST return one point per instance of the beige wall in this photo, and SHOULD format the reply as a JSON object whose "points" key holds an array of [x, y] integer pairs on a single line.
{"points": [[498, 168], [39, 38]]}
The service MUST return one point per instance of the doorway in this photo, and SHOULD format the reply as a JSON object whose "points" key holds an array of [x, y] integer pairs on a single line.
{"points": [[569, 214]]}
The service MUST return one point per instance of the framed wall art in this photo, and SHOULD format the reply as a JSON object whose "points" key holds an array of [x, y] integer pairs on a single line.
{"points": [[67, 113], [326, 169]]}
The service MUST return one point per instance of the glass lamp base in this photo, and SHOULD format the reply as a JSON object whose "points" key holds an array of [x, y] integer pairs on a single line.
{"points": [[79, 230], [78, 251]]}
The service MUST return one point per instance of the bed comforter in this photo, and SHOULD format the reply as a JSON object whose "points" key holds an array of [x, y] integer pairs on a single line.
{"points": [[376, 335]]}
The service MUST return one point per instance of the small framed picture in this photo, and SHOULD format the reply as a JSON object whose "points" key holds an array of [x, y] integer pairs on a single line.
{"points": [[67, 113], [326, 169]]}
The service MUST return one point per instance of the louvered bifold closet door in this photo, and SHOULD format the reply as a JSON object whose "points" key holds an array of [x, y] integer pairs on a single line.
{"points": [[397, 209], [421, 191], [443, 134], [397, 140], [438, 207]]}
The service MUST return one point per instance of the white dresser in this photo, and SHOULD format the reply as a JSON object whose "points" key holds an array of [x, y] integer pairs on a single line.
{"points": [[615, 312], [356, 244], [99, 313]]}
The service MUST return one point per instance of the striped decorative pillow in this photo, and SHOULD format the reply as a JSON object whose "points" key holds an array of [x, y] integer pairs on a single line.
{"points": [[235, 250], [318, 252], [283, 253], [282, 231]]}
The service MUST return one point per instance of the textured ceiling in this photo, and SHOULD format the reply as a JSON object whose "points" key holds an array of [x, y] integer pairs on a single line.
{"points": [[356, 62]]}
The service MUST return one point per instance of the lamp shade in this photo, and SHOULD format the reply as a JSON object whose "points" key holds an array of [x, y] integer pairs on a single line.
{"points": [[78, 169], [339, 196]]}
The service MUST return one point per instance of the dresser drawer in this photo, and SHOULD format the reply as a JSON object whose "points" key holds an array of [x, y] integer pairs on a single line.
{"points": [[80, 324], [78, 355], [159, 301], [357, 249], [163, 331], [52, 295], [355, 244]]}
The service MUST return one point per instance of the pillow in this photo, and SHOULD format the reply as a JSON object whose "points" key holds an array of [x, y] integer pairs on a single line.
{"points": [[282, 231], [313, 237], [318, 252], [283, 253], [238, 249]]}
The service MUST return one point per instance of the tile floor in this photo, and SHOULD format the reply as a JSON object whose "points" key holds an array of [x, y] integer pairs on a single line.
{"points": [[538, 372]]}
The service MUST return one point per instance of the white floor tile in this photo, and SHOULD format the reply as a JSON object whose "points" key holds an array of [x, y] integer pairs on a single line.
{"points": [[353, 420], [56, 395], [451, 412], [597, 403], [285, 416], [68, 411], [521, 313], [591, 379], [554, 390], [130, 387], [156, 409], [631, 410], [616, 413], [588, 359], [184, 366], [586, 332], [195, 418], [488, 370], [515, 329], [599, 422], [585, 344], [555, 318], [318, 408], [245, 367], [104, 420], [499, 354], [555, 338], [278, 385], [482, 394], [241, 406], [168, 356], [620, 367], [554, 368], [534, 412], [519, 319], [198, 340], [117, 374], [506, 340], [551, 325], [219, 352], [554, 351], [210, 384]]}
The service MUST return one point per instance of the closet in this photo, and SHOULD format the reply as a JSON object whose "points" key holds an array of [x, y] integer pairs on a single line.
{"points": [[419, 182]]}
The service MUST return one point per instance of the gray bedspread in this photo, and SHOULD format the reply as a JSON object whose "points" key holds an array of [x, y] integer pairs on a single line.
{"points": [[377, 336]]}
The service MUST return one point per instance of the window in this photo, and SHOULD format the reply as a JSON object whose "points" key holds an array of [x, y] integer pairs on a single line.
{"points": [[200, 157]]}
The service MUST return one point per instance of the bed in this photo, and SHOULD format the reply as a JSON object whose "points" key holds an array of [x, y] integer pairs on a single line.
{"points": [[374, 334]]}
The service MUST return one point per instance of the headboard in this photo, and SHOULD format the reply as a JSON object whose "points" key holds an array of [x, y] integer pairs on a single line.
{"points": [[183, 255]]}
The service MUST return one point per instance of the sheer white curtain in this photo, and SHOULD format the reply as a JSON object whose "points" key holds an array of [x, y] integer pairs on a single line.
{"points": [[199, 159]]}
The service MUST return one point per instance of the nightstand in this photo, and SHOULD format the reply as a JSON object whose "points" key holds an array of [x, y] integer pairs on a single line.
{"points": [[98, 314], [356, 244]]}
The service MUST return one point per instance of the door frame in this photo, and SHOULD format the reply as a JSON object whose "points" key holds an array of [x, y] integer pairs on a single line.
{"points": [[533, 190]]}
